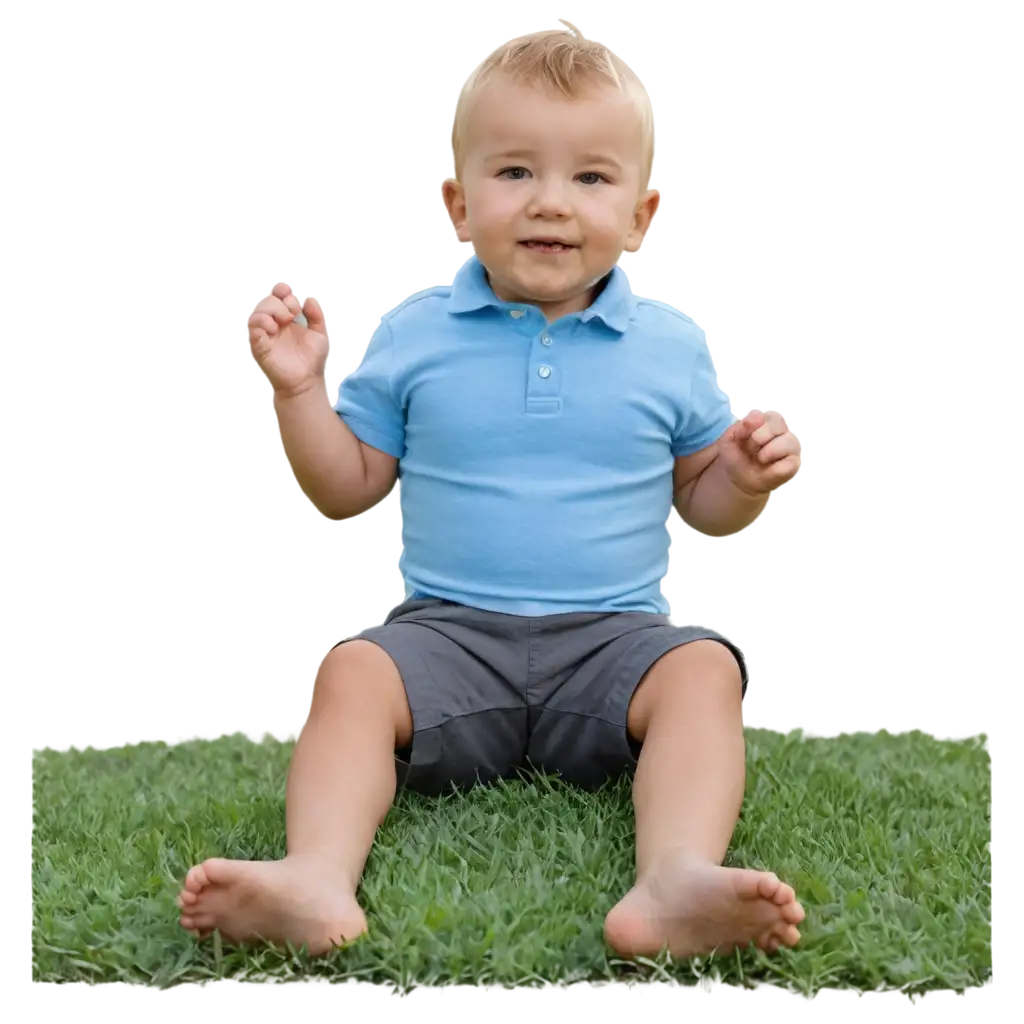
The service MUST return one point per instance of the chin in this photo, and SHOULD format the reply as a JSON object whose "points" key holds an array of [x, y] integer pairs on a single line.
{"points": [[539, 293], [539, 284]]}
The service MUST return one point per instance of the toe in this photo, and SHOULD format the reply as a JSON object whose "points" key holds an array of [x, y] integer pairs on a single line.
{"points": [[219, 871], [755, 885], [767, 884], [791, 936], [186, 898], [196, 880], [198, 926], [784, 895], [793, 912]]}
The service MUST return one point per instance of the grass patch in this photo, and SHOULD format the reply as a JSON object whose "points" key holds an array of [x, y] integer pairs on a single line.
{"points": [[885, 839]]}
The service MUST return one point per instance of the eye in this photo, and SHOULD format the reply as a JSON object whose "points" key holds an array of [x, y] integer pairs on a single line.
{"points": [[592, 174], [507, 170]]}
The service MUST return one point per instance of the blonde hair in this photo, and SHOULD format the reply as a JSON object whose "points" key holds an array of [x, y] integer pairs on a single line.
{"points": [[557, 60]]}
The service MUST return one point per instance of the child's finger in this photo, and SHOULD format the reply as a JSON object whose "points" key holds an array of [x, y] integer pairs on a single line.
{"points": [[779, 472], [259, 322], [282, 290], [275, 307], [771, 426], [313, 314], [744, 430], [778, 448], [259, 344], [738, 432]]}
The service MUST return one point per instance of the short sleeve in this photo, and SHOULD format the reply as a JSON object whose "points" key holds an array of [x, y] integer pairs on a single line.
{"points": [[707, 413], [365, 400]]}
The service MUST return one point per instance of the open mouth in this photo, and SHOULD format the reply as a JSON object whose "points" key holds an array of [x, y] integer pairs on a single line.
{"points": [[548, 246]]}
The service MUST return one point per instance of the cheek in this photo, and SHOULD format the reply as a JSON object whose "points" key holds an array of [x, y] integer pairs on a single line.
{"points": [[608, 216], [607, 227], [490, 205]]}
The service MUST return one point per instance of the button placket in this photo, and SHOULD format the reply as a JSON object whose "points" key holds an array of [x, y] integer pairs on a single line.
{"points": [[543, 383]]}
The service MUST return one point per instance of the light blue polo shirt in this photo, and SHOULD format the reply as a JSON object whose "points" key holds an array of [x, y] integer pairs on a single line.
{"points": [[536, 459]]}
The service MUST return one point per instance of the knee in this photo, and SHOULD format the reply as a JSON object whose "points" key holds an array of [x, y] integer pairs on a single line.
{"points": [[710, 662], [702, 669], [361, 675]]}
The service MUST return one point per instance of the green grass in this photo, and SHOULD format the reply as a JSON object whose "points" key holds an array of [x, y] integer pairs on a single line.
{"points": [[885, 838]]}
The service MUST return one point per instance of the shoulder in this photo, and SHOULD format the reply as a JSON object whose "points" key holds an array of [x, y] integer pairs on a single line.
{"points": [[412, 329], [430, 304], [415, 317], [665, 323]]}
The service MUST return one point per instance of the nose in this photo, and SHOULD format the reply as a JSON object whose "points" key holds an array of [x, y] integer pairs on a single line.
{"points": [[549, 198]]}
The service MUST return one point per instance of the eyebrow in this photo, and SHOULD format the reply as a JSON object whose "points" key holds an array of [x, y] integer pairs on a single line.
{"points": [[512, 155], [600, 158], [589, 158]]}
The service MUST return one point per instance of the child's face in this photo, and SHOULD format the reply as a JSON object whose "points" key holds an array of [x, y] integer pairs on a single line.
{"points": [[539, 165]]}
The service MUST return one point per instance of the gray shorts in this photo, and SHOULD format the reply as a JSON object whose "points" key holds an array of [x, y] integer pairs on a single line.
{"points": [[492, 693]]}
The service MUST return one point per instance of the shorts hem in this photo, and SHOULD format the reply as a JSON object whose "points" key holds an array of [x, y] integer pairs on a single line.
{"points": [[634, 664]]}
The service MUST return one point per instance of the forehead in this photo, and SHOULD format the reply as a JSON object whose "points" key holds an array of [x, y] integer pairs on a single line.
{"points": [[531, 117]]}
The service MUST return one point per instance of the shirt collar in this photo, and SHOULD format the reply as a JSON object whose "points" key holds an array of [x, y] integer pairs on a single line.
{"points": [[615, 306]]}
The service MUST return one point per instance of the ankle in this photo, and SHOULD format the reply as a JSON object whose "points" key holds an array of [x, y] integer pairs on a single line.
{"points": [[323, 864], [678, 857]]}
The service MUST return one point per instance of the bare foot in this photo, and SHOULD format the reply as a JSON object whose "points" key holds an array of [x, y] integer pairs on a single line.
{"points": [[296, 899], [694, 907]]}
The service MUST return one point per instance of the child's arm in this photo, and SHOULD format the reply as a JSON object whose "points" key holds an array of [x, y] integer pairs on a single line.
{"points": [[720, 508], [725, 487], [339, 474], [336, 471]]}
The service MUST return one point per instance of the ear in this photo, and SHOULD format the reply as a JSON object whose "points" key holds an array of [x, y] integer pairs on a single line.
{"points": [[646, 208], [454, 196]]}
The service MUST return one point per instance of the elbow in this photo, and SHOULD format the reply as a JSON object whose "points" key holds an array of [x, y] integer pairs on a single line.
{"points": [[338, 516], [717, 532], [368, 509], [721, 527], [718, 529], [337, 506]]}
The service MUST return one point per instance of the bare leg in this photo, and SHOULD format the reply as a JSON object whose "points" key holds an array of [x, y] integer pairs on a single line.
{"points": [[687, 796], [341, 784]]}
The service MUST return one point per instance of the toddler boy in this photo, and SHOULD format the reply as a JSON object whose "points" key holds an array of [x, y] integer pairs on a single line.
{"points": [[544, 421]]}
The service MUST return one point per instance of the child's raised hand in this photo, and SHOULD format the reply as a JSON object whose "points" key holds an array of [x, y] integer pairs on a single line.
{"points": [[759, 453], [291, 354]]}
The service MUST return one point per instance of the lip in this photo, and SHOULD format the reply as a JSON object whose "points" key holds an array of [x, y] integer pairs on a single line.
{"points": [[548, 241]]}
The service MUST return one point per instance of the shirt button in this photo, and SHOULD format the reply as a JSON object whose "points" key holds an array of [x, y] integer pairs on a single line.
{"points": [[545, 339], [517, 313], [544, 371]]}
